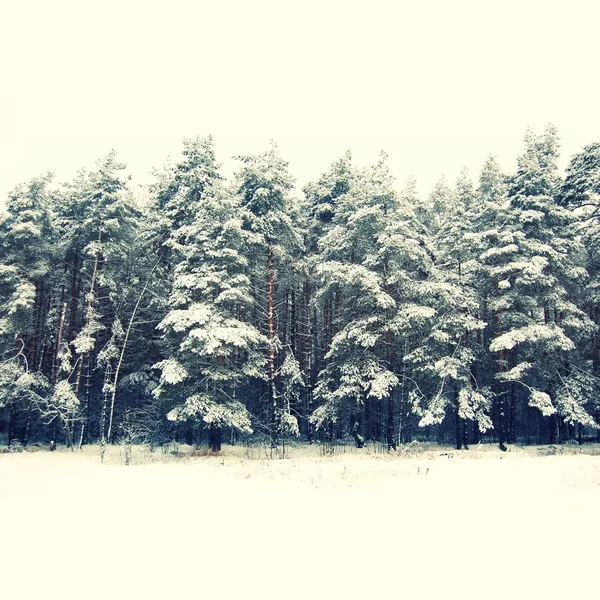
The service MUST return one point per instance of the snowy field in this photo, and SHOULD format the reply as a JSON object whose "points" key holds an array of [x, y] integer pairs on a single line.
{"points": [[350, 526]]}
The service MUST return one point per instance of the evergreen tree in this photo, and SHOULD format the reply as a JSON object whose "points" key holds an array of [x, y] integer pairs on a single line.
{"points": [[27, 258], [580, 192], [372, 263], [262, 186], [97, 223], [358, 311], [213, 349], [453, 344], [531, 264], [319, 207]]}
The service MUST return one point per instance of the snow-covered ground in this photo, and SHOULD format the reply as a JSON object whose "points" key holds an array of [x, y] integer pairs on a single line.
{"points": [[308, 527]]}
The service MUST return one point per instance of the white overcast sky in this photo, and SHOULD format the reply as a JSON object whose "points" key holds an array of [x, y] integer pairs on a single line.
{"points": [[437, 84]]}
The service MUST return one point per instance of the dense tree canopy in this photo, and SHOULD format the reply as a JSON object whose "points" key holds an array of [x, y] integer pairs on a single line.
{"points": [[237, 310]]}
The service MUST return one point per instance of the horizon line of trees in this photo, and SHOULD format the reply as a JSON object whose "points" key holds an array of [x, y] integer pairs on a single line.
{"points": [[233, 310]]}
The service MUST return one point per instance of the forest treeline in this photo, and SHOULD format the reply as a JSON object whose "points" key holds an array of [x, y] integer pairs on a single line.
{"points": [[227, 310]]}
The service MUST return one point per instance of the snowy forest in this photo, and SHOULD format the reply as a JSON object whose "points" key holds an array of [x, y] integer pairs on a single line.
{"points": [[237, 310]]}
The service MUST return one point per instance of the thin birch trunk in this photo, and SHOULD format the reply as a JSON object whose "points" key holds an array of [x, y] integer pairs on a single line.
{"points": [[271, 337], [124, 348]]}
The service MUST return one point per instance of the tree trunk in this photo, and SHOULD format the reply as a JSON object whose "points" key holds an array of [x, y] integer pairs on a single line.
{"points": [[272, 399], [59, 337], [512, 415], [11, 425], [90, 301], [214, 438], [359, 440], [102, 427], [75, 292], [502, 428], [460, 425], [390, 430], [502, 415]]}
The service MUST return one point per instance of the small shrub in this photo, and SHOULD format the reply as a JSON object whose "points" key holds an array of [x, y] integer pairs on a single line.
{"points": [[34, 447], [411, 449], [550, 450], [14, 447]]}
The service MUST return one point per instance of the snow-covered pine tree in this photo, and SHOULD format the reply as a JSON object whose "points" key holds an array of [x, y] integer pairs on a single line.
{"points": [[372, 263], [262, 186], [315, 320], [28, 253], [580, 192], [212, 347], [530, 263], [452, 344], [27, 256], [97, 223]]}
